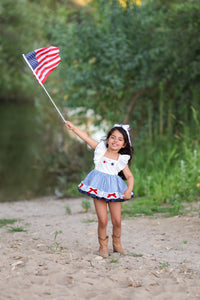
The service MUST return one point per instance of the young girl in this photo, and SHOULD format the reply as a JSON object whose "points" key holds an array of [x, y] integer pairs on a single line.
{"points": [[104, 184]]}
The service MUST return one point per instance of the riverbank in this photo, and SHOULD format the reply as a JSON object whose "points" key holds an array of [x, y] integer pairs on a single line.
{"points": [[55, 255]]}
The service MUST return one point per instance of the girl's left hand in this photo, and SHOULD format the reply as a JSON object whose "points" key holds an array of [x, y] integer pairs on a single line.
{"points": [[127, 194]]}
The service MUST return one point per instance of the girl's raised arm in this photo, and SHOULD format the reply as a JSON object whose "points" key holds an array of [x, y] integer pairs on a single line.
{"points": [[82, 134]]}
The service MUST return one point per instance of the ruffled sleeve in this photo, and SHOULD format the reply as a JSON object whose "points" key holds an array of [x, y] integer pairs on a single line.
{"points": [[123, 161], [99, 152]]}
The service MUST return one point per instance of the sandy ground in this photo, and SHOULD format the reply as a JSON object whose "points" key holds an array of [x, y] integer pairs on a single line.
{"points": [[57, 257]]}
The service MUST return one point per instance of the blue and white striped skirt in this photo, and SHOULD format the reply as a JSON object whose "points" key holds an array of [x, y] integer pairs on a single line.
{"points": [[103, 186]]}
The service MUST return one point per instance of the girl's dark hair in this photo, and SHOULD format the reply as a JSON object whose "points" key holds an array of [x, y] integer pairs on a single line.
{"points": [[128, 149]]}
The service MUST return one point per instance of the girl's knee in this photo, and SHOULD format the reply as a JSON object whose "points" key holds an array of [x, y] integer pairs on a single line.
{"points": [[116, 223], [103, 222]]}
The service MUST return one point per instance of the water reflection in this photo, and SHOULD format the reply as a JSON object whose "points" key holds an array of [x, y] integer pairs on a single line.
{"points": [[19, 149]]}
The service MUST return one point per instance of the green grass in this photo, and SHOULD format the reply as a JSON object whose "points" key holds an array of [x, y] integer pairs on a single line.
{"points": [[68, 210], [89, 221], [135, 255], [17, 229], [143, 206], [86, 205], [163, 265], [114, 260], [55, 247], [167, 173], [4, 222]]}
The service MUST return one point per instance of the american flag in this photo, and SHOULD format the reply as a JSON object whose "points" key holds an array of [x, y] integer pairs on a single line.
{"points": [[43, 61]]}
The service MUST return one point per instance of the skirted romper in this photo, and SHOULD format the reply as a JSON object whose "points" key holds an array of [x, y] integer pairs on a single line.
{"points": [[103, 182]]}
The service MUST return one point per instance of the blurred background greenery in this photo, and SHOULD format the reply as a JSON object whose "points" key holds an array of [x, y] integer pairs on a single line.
{"points": [[135, 62]]}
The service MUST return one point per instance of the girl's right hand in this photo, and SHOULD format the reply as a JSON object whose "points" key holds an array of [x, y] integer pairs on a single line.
{"points": [[69, 125], [83, 135]]}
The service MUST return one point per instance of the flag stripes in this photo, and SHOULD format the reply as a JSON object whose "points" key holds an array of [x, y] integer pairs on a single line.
{"points": [[43, 61]]}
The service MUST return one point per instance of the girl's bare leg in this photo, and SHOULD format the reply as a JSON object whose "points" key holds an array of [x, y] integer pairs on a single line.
{"points": [[101, 210], [115, 212]]}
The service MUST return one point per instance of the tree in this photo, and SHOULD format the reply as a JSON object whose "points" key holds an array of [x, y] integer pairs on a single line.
{"points": [[107, 58], [22, 28], [125, 61]]}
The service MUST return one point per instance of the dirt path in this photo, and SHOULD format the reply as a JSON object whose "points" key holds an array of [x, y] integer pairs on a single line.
{"points": [[57, 257]]}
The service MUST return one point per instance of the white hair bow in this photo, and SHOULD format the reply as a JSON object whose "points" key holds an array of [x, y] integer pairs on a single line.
{"points": [[126, 128]]}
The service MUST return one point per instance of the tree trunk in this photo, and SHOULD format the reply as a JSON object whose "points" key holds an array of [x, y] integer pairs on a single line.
{"points": [[131, 105], [161, 108], [150, 114]]}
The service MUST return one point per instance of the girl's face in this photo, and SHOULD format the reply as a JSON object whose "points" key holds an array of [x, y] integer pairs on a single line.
{"points": [[116, 141]]}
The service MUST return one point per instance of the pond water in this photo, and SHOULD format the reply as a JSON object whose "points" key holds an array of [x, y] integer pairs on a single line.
{"points": [[19, 149]]}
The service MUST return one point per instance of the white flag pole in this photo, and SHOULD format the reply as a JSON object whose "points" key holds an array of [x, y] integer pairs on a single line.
{"points": [[44, 89]]}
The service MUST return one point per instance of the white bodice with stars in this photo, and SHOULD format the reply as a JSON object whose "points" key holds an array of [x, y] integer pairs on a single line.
{"points": [[108, 165]]}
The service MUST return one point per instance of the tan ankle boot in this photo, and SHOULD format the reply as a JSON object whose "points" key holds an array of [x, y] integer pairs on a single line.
{"points": [[103, 249], [117, 247]]}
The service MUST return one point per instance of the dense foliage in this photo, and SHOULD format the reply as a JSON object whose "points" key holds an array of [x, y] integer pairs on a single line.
{"points": [[142, 57], [20, 23]]}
